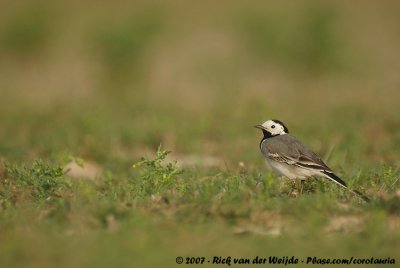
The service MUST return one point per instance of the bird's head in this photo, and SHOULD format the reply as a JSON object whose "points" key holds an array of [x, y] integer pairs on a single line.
{"points": [[272, 128]]}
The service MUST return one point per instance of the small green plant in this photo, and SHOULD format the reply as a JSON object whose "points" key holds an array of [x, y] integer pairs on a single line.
{"points": [[41, 180], [157, 176]]}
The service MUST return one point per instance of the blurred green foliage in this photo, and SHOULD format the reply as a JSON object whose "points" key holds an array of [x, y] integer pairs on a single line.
{"points": [[120, 45], [309, 42], [27, 31]]}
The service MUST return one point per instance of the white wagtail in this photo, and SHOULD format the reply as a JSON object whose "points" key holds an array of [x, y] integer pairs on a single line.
{"points": [[291, 158]]}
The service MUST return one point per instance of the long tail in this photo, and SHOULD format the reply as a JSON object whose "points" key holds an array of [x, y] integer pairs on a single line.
{"points": [[336, 179]]}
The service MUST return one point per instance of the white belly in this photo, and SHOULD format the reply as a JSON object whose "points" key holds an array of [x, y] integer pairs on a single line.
{"points": [[292, 172]]}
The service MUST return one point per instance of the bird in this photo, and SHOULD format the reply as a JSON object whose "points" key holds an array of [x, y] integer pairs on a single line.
{"points": [[291, 158]]}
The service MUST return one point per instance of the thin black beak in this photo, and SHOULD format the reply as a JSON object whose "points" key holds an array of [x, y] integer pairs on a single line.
{"points": [[259, 126]]}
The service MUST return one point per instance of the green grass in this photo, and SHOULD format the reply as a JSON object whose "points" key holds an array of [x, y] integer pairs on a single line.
{"points": [[89, 94], [158, 208]]}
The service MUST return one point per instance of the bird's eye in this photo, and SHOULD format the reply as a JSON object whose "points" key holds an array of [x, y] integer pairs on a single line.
{"points": [[273, 126]]}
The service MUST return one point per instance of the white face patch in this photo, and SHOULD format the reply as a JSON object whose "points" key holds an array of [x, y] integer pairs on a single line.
{"points": [[274, 128]]}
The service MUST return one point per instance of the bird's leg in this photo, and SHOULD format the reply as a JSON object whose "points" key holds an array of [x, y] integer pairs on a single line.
{"points": [[301, 186]]}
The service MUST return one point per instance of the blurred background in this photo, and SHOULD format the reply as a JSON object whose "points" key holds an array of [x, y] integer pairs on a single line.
{"points": [[110, 81]]}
